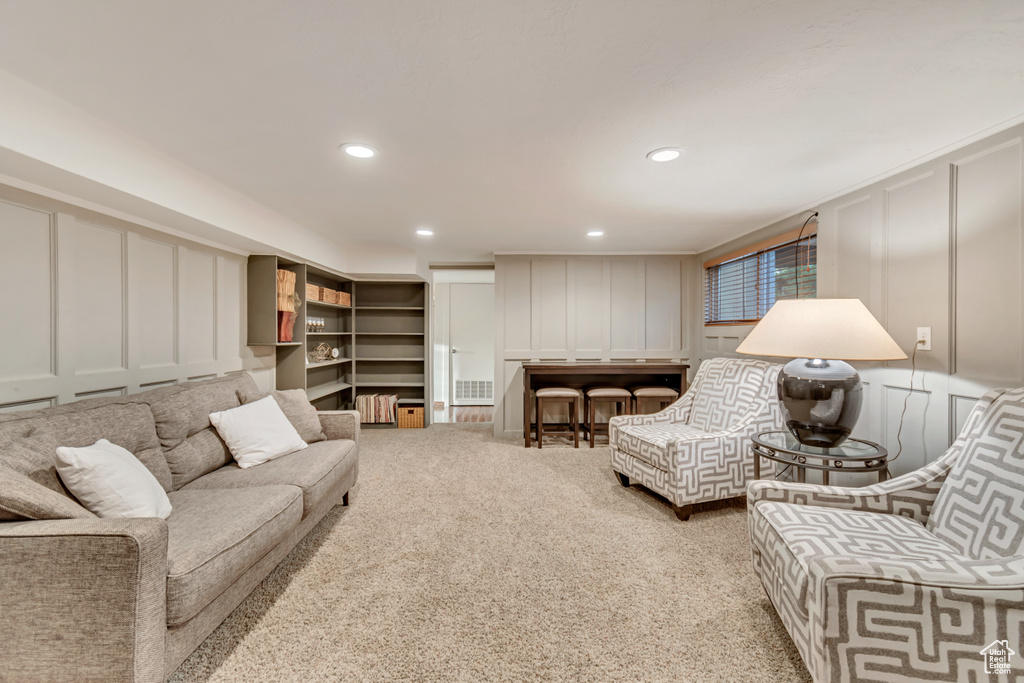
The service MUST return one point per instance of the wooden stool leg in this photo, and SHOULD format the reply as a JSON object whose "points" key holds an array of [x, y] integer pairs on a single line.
{"points": [[575, 423], [591, 419], [540, 423]]}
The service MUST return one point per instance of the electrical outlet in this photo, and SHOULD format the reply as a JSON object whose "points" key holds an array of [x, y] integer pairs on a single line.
{"points": [[924, 339]]}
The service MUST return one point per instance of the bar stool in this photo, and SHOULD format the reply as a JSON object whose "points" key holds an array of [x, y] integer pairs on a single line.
{"points": [[662, 395], [558, 395], [613, 395]]}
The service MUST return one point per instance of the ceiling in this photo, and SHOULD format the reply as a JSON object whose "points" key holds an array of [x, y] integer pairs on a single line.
{"points": [[519, 126]]}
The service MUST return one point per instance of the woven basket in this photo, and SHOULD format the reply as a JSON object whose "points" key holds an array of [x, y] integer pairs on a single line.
{"points": [[410, 418], [329, 295], [344, 298], [312, 293]]}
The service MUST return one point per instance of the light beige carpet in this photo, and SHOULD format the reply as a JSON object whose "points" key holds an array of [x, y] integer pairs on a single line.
{"points": [[468, 558]]}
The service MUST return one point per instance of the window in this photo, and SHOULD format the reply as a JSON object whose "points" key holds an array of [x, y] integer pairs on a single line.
{"points": [[740, 288]]}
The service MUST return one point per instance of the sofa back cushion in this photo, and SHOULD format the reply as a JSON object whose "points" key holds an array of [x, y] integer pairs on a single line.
{"points": [[726, 390], [191, 444], [980, 508], [122, 421]]}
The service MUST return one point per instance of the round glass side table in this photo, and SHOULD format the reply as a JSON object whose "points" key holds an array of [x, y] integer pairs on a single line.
{"points": [[853, 455]]}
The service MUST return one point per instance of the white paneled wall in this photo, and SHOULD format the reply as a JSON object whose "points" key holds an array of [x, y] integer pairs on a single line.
{"points": [[95, 306], [937, 246], [587, 308]]}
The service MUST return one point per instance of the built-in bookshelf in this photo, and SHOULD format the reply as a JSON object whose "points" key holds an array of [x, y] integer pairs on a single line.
{"points": [[329, 383], [391, 340], [381, 338], [262, 318]]}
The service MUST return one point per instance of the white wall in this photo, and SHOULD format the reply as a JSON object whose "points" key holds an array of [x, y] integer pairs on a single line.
{"points": [[610, 308], [93, 305], [936, 246]]}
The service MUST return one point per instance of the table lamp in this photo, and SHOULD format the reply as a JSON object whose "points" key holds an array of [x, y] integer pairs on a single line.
{"points": [[820, 392]]}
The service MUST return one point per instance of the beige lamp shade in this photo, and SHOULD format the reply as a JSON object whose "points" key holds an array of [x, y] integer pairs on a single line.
{"points": [[835, 329]]}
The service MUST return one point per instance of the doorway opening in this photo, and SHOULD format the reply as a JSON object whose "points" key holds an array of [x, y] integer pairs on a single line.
{"points": [[463, 319]]}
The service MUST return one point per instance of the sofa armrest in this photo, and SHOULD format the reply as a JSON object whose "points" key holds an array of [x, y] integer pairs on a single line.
{"points": [[83, 599], [340, 424], [910, 495]]}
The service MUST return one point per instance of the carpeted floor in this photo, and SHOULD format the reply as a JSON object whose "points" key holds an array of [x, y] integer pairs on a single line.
{"points": [[468, 558]]}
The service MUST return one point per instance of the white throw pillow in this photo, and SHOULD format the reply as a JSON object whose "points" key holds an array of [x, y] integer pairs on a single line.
{"points": [[111, 482], [257, 432]]}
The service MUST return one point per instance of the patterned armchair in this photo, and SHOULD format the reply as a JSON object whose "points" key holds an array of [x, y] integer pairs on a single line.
{"points": [[697, 449], [919, 578]]}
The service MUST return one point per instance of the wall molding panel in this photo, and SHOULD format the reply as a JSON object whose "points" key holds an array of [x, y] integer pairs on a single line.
{"points": [[941, 246], [587, 308], [109, 308]]}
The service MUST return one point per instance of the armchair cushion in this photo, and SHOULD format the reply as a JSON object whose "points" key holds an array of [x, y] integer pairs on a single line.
{"points": [[979, 509], [725, 393], [803, 533]]}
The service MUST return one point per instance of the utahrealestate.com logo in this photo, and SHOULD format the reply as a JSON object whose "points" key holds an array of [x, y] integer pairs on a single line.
{"points": [[997, 657]]}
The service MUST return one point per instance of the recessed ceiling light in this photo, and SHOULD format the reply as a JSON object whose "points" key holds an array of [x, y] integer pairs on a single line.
{"points": [[359, 150], [425, 232], [665, 154], [595, 233]]}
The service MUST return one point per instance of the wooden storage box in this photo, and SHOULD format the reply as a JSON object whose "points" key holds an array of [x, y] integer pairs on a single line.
{"points": [[312, 293], [410, 417], [344, 298]]}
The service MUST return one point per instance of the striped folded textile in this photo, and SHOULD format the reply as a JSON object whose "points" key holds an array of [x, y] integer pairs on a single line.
{"points": [[377, 408]]}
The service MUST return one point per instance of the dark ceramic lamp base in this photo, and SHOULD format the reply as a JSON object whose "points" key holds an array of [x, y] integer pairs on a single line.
{"points": [[822, 400]]}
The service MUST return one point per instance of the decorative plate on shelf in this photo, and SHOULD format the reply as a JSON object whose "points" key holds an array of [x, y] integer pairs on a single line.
{"points": [[335, 353]]}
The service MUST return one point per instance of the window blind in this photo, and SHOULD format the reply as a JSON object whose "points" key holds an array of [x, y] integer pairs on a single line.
{"points": [[742, 289]]}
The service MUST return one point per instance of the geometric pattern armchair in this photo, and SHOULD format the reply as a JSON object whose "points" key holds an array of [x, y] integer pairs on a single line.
{"points": [[918, 578], [698, 449]]}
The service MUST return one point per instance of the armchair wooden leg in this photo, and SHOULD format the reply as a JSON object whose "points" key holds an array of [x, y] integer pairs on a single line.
{"points": [[682, 511], [623, 479]]}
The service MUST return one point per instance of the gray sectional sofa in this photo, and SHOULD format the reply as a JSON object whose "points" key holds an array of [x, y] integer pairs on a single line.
{"points": [[129, 599]]}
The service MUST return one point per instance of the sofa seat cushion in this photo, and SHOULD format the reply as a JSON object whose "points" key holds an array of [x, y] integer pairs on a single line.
{"points": [[316, 470], [213, 537], [794, 534], [650, 443]]}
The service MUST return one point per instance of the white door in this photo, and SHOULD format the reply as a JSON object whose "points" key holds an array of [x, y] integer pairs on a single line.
{"points": [[471, 340]]}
